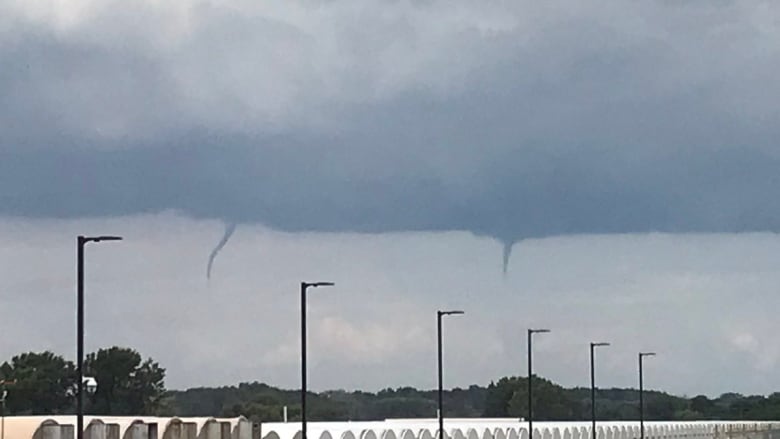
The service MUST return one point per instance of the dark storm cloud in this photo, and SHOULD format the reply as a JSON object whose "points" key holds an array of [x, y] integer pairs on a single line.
{"points": [[520, 194], [605, 120]]}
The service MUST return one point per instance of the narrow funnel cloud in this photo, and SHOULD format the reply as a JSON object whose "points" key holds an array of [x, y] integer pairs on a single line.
{"points": [[229, 229], [507, 254]]}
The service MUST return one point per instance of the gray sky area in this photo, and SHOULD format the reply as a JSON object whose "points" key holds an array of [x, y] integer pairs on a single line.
{"points": [[627, 151]]}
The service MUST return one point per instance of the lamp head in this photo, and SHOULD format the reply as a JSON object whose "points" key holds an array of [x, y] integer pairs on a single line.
{"points": [[107, 238], [85, 239], [647, 354], [317, 284], [91, 384], [538, 331], [450, 313], [597, 344]]}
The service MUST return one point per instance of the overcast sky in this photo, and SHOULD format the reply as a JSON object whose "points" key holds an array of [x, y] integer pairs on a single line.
{"points": [[625, 153]]}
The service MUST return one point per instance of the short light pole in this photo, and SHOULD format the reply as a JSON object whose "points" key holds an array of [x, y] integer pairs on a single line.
{"points": [[81, 242], [439, 315], [531, 332], [305, 286], [642, 355], [2, 424], [91, 385], [3, 396], [593, 387]]}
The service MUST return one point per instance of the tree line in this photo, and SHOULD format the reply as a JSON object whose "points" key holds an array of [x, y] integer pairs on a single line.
{"points": [[505, 398], [44, 383]]}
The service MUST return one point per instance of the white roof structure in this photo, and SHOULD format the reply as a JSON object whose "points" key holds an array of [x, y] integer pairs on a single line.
{"points": [[62, 427], [514, 429], [126, 427]]}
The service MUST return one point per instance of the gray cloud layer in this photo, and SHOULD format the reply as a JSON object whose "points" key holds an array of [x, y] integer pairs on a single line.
{"points": [[507, 120]]}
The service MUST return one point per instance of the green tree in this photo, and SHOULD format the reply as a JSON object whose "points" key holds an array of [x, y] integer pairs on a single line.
{"points": [[44, 383], [500, 394], [702, 405], [127, 385], [551, 401]]}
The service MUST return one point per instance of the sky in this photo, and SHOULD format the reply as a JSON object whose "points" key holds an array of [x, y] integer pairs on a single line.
{"points": [[606, 170]]}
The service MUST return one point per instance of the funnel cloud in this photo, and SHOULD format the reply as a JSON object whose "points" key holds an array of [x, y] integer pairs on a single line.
{"points": [[229, 229]]}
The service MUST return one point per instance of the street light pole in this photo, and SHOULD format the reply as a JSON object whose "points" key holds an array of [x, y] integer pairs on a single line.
{"points": [[81, 241], [642, 355], [531, 332], [593, 387], [439, 315], [305, 286]]}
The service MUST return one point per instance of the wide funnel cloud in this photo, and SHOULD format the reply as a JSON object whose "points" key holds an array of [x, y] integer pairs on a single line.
{"points": [[519, 120]]}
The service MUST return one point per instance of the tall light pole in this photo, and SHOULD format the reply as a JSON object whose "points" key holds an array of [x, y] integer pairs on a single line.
{"points": [[531, 332], [593, 387], [642, 355], [82, 241], [305, 286], [439, 315]]}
